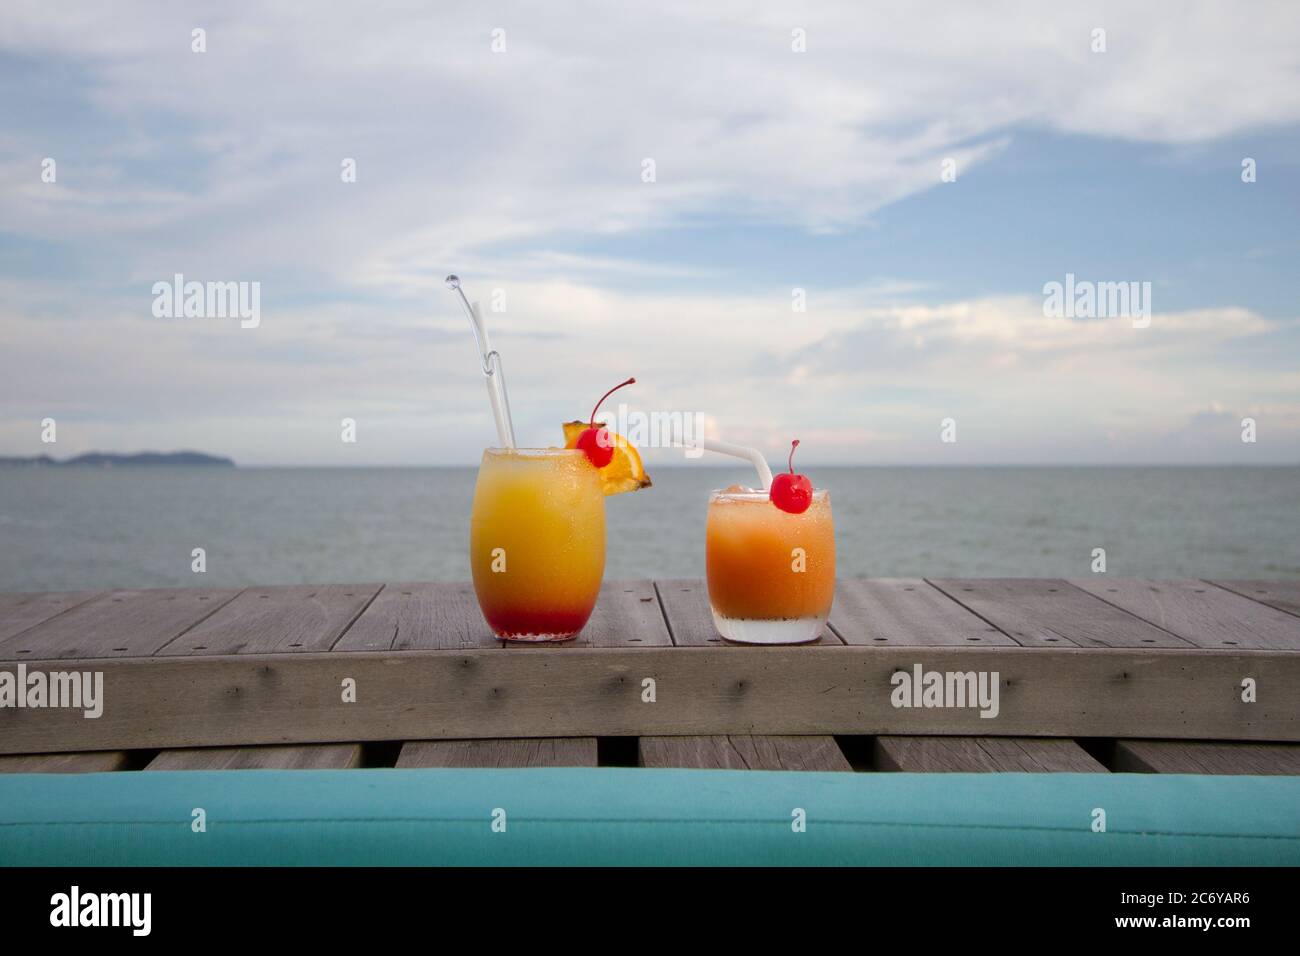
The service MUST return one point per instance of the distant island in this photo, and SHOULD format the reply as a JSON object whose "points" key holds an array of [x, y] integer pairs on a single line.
{"points": [[100, 459]]}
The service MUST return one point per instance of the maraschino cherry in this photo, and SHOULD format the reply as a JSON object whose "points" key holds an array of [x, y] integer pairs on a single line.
{"points": [[596, 441], [790, 492]]}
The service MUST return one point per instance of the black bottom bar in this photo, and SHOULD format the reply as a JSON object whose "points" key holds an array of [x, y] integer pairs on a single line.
{"points": [[481, 907]]}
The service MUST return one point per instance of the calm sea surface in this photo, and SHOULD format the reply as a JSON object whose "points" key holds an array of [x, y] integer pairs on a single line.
{"points": [[82, 528]]}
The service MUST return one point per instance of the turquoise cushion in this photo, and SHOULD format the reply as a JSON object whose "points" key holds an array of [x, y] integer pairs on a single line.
{"points": [[630, 816]]}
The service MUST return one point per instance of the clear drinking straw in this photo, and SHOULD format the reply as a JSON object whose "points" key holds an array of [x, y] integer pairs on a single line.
{"points": [[751, 455], [490, 362]]}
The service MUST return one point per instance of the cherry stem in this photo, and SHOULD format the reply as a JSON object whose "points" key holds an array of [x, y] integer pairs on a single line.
{"points": [[790, 461], [591, 423]]}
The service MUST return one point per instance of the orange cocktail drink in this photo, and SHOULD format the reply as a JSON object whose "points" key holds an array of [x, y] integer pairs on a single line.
{"points": [[771, 573], [537, 527], [537, 542]]}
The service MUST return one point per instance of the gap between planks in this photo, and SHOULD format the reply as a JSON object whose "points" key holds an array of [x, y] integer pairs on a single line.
{"points": [[917, 754]]}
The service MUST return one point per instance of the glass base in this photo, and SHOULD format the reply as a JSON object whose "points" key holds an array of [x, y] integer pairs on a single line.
{"points": [[790, 630], [538, 638]]}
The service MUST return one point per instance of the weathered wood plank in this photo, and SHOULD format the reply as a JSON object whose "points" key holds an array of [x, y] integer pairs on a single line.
{"points": [[423, 695], [626, 615], [907, 612], [314, 757], [1191, 756], [1283, 595], [516, 752], [420, 616], [1051, 613], [117, 624], [85, 762], [685, 604], [295, 619], [20, 610], [690, 621], [983, 755], [743, 752], [1200, 613]]}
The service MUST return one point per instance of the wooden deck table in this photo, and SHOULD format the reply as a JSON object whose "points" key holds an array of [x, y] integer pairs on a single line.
{"points": [[1092, 675]]}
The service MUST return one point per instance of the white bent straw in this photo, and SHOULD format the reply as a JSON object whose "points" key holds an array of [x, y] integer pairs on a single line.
{"points": [[751, 455], [490, 363]]}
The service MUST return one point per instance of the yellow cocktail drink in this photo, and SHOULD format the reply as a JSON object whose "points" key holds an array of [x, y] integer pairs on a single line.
{"points": [[771, 574], [537, 542]]}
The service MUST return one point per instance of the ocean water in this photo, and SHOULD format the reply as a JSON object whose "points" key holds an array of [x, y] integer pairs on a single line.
{"points": [[90, 528]]}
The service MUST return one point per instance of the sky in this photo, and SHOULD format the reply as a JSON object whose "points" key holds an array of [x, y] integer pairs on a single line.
{"points": [[799, 155]]}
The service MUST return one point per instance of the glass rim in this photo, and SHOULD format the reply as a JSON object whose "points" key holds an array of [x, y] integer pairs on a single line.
{"points": [[532, 452], [722, 494]]}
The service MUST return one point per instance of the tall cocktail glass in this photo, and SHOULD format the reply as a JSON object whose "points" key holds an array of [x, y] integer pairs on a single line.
{"points": [[537, 542]]}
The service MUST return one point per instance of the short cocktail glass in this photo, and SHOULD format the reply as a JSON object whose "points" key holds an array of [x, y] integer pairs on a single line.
{"points": [[771, 574], [537, 542]]}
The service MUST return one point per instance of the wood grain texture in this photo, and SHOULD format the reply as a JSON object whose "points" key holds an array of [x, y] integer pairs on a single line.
{"points": [[1283, 595], [982, 755], [165, 702], [1190, 756], [906, 612], [1200, 613], [21, 610], [1047, 613], [627, 614], [117, 624], [427, 616], [516, 752], [743, 752], [86, 762], [315, 757], [277, 620], [685, 605], [690, 621]]}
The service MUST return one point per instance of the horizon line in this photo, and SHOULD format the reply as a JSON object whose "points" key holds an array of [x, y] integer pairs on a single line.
{"points": [[718, 466]]}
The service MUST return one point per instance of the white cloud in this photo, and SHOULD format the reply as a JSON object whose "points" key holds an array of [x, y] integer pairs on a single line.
{"points": [[855, 379], [459, 148]]}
